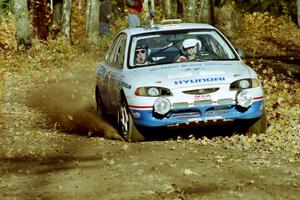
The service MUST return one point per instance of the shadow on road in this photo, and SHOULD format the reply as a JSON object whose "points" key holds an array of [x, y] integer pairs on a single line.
{"points": [[197, 132], [20, 165]]}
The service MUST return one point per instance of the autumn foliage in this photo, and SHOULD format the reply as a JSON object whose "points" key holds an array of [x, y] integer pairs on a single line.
{"points": [[263, 34]]}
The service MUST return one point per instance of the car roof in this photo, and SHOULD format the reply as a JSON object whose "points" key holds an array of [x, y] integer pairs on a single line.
{"points": [[166, 27]]}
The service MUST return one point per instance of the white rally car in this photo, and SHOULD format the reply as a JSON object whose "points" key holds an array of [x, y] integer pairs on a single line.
{"points": [[150, 79]]}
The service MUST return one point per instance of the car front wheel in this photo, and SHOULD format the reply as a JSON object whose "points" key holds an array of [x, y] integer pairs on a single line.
{"points": [[126, 126]]}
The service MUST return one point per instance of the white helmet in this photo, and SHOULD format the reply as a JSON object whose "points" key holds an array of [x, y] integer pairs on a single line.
{"points": [[189, 43]]}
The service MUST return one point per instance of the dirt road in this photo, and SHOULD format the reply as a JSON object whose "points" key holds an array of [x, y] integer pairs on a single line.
{"points": [[53, 147]]}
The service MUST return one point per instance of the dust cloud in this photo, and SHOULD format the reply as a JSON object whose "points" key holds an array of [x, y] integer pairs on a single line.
{"points": [[69, 104]]}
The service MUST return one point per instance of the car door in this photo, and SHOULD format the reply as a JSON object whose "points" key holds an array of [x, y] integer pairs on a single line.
{"points": [[104, 71], [114, 77]]}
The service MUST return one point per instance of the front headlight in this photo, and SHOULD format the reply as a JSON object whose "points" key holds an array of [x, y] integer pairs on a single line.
{"points": [[152, 91], [244, 84]]}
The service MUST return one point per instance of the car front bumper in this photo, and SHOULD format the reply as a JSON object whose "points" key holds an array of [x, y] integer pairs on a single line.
{"points": [[205, 114]]}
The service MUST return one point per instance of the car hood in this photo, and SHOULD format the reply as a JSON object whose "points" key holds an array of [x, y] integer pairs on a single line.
{"points": [[190, 74]]}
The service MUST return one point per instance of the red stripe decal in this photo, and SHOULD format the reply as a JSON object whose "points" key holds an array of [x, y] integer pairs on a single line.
{"points": [[256, 98]]}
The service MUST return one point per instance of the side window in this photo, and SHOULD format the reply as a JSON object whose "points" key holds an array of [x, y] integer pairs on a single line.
{"points": [[121, 52], [117, 52], [111, 52]]}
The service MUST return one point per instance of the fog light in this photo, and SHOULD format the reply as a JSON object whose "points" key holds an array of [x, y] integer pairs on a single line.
{"points": [[162, 106], [244, 99]]}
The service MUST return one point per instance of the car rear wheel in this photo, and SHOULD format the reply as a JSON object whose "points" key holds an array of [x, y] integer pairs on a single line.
{"points": [[126, 127], [259, 125]]}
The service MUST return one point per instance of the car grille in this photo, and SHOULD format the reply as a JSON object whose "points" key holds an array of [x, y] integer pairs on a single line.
{"points": [[202, 103], [180, 104], [225, 101], [201, 91], [186, 114], [213, 112]]}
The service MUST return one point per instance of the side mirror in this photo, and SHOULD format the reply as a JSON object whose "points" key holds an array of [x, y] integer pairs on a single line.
{"points": [[241, 53]]}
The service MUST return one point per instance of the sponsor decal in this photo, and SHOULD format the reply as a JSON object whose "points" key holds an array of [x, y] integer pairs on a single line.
{"points": [[126, 85], [216, 114], [101, 70], [199, 80], [202, 97], [164, 67], [136, 115]]}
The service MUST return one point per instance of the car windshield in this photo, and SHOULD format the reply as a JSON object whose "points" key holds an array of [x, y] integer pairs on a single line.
{"points": [[180, 46]]}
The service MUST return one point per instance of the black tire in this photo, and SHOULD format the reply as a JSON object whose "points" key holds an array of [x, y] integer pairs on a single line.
{"points": [[100, 106], [259, 126], [126, 126]]}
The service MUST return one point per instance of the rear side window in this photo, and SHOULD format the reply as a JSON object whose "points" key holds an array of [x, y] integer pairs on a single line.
{"points": [[116, 52]]}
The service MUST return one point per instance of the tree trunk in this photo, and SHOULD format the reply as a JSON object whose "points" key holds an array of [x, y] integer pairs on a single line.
{"points": [[81, 4], [23, 31], [4, 4], [205, 12], [167, 9], [298, 11], [66, 19], [212, 12], [40, 19], [190, 14], [92, 20], [87, 17], [56, 18], [57, 12], [179, 8]]}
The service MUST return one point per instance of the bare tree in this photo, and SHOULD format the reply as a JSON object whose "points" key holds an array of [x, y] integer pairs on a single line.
{"points": [[298, 11], [205, 11], [81, 4], [92, 19], [56, 17], [179, 8], [66, 18], [191, 8], [56, 13], [167, 8], [22, 23], [4, 4], [40, 19]]}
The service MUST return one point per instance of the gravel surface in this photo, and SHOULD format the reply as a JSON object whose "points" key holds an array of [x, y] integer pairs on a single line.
{"points": [[53, 147]]}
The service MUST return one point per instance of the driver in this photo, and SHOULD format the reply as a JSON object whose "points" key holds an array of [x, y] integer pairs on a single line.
{"points": [[141, 54], [191, 48]]}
